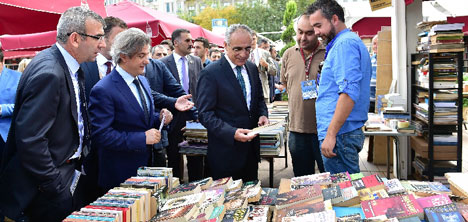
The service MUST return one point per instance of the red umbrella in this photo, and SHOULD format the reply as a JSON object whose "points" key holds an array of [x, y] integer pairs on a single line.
{"points": [[32, 16], [160, 24]]}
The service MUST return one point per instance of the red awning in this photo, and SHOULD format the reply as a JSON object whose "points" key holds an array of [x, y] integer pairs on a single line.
{"points": [[32, 16], [35, 41], [19, 54], [368, 27], [162, 24]]}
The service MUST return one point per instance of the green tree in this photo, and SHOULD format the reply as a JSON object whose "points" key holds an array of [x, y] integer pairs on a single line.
{"points": [[287, 36], [204, 18]]}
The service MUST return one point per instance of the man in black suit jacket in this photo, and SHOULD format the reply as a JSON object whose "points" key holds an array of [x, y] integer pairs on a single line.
{"points": [[95, 71], [49, 132], [230, 102], [185, 68]]}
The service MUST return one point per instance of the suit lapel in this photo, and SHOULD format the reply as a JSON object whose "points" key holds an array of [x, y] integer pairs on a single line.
{"points": [[253, 89], [147, 89], [124, 89], [173, 67], [71, 89]]}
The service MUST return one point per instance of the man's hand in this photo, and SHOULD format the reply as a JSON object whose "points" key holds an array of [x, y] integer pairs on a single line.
{"points": [[241, 135], [263, 63], [328, 145], [168, 114], [183, 103], [152, 136], [280, 87], [263, 120]]}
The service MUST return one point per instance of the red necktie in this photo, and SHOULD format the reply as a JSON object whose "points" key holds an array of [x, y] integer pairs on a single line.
{"points": [[109, 67]]}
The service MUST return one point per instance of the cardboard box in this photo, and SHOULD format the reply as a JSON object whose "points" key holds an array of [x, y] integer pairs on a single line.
{"points": [[379, 4], [380, 150]]}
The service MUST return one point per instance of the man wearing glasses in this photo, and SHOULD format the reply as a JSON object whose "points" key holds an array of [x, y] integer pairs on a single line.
{"points": [[230, 103], [50, 132]]}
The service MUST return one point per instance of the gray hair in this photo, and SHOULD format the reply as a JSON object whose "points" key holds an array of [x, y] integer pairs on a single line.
{"points": [[74, 20], [233, 28], [157, 47], [129, 43]]}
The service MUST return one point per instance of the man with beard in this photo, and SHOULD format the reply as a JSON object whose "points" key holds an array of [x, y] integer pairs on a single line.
{"points": [[344, 87], [300, 65]]}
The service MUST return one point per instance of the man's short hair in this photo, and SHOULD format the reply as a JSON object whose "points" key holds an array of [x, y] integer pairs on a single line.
{"points": [[206, 43], [233, 28], [263, 41], [213, 45], [167, 42], [156, 47], [328, 9], [214, 51], [74, 20], [112, 22], [177, 33], [129, 43]]}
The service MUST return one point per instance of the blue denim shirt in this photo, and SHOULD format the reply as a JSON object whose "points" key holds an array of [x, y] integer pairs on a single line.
{"points": [[347, 69], [374, 77]]}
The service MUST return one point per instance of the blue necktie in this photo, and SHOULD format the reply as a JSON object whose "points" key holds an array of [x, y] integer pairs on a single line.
{"points": [[185, 79], [241, 80]]}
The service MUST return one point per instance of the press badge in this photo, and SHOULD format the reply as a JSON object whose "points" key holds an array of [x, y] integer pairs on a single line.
{"points": [[309, 89]]}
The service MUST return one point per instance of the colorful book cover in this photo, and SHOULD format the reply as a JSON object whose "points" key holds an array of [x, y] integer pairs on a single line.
{"points": [[258, 213], [398, 206], [333, 194], [410, 219], [236, 184], [358, 184], [340, 177], [235, 215], [204, 183], [394, 186], [356, 176], [175, 214], [447, 212], [374, 182], [346, 211], [184, 189], [350, 197], [222, 183], [309, 180], [298, 209], [194, 199], [218, 212], [213, 197], [324, 216], [434, 201], [349, 218], [298, 196], [345, 184], [463, 209], [235, 199], [268, 196]]}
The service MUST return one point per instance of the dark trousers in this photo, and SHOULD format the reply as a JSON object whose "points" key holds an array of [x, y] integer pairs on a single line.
{"points": [[174, 159], [158, 158], [249, 172], [2, 148], [305, 151]]}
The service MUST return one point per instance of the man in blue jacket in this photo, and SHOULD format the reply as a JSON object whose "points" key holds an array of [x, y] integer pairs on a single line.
{"points": [[8, 83]]}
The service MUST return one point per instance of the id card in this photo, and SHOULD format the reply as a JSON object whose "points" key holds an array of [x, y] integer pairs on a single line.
{"points": [[309, 89]]}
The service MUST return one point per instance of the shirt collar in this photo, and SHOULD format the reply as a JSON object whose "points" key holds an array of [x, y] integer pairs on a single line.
{"points": [[71, 62], [125, 75], [177, 56], [101, 60], [233, 66]]}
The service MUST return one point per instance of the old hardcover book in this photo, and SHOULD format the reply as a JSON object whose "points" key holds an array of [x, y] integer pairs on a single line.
{"points": [[340, 177], [309, 180], [258, 213], [184, 189], [394, 186], [324, 216], [374, 182], [299, 196], [434, 201], [333, 194], [447, 212], [298, 209], [180, 214], [398, 206], [194, 199], [236, 215], [268, 196]]}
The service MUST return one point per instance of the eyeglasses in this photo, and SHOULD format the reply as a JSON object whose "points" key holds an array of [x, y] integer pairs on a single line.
{"points": [[97, 37]]}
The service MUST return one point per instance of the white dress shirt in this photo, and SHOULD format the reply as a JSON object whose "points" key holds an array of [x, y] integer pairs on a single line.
{"points": [[248, 89], [101, 64], [179, 66]]}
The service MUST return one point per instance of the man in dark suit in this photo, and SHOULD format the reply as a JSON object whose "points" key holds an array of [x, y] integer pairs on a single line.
{"points": [[185, 68], [95, 71], [230, 102], [49, 132], [122, 111]]}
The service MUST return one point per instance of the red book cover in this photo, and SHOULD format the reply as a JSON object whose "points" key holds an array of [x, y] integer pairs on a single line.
{"points": [[434, 201], [124, 210], [345, 184], [373, 181], [398, 206]]}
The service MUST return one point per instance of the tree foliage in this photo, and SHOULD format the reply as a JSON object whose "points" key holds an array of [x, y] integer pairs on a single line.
{"points": [[204, 18], [289, 15]]}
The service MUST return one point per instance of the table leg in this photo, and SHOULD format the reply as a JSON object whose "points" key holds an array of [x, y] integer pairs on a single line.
{"points": [[388, 157], [271, 170]]}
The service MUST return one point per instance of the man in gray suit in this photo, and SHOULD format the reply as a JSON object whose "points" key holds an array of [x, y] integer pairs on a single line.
{"points": [[264, 62], [185, 68]]}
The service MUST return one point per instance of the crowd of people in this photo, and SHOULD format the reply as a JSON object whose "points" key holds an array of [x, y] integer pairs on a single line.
{"points": [[99, 103]]}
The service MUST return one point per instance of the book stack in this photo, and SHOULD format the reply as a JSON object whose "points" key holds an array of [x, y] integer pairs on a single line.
{"points": [[196, 139], [272, 141], [446, 38]]}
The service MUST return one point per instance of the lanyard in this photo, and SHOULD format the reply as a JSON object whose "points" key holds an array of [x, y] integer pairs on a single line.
{"points": [[309, 62]]}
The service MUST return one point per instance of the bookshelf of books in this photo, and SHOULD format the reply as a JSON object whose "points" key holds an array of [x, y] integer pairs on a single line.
{"points": [[436, 110]]}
